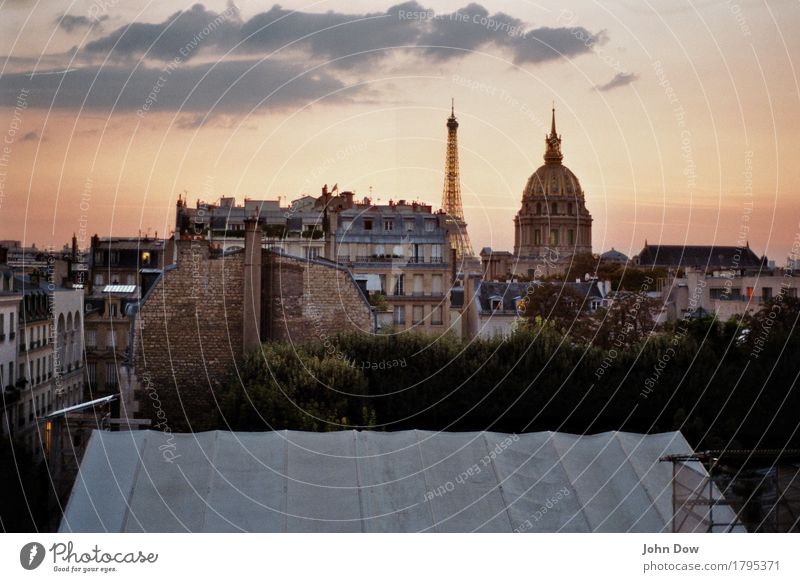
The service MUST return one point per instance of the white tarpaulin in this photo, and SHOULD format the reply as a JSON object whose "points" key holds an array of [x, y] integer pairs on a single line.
{"points": [[354, 481]]}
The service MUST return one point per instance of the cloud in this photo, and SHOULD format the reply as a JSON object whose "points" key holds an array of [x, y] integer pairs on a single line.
{"points": [[31, 136], [256, 57], [223, 87], [619, 80], [71, 22], [181, 35], [347, 39]]}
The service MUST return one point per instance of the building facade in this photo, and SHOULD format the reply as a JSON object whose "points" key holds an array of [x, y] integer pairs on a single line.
{"points": [[726, 293], [401, 256]]}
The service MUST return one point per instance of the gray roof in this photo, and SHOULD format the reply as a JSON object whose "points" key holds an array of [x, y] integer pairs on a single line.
{"points": [[700, 256], [615, 256], [508, 292], [353, 481]]}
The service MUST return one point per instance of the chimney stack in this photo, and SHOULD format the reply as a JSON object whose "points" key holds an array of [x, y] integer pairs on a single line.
{"points": [[252, 285]]}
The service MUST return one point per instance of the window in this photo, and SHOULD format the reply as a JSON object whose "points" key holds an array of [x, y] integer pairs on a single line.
{"points": [[570, 237], [555, 208], [538, 208], [91, 338], [409, 224], [749, 292], [716, 292], [399, 285], [537, 237], [437, 285], [388, 224], [91, 373], [418, 313], [312, 252], [436, 253], [2, 327], [98, 279], [111, 340], [436, 315], [791, 292], [418, 281], [766, 294], [553, 236], [379, 251], [112, 310], [146, 258], [430, 224], [367, 224], [496, 303], [346, 224], [399, 315], [111, 376], [11, 328], [570, 209]]}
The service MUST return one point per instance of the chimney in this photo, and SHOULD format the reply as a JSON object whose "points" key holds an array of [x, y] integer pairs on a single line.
{"points": [[252, 285]]}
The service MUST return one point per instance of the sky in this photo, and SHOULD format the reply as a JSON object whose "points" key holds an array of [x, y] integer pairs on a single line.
{"points": [[680, 118]]}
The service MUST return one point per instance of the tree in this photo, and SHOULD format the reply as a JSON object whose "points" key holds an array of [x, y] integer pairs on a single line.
{"points": [[552, 305]]}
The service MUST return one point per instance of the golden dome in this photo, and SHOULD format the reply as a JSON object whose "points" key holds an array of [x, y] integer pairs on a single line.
{"points": [[552, 180]]}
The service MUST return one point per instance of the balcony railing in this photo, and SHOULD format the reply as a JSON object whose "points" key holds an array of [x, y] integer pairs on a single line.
{"points": [[392, 259]]}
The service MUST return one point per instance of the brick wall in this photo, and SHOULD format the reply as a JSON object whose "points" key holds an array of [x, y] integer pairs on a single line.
{"points": [[189, 333], [309, 300]]}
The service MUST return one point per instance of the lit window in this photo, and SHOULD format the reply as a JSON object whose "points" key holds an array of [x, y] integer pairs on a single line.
{"points": [[146, 258]]}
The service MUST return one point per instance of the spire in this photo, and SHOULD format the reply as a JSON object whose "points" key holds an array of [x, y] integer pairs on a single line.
{"points": [[451, 121], [552, 152]]}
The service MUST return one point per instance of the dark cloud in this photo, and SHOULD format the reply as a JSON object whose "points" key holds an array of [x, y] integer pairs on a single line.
{"points": [[221, 88], [181, 35], [619, 80], [349, 39], [71, 22], [31, 136], [288, 42]]}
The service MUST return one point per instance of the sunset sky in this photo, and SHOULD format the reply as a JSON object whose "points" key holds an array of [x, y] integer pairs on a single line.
{"points": [[680, 118]]}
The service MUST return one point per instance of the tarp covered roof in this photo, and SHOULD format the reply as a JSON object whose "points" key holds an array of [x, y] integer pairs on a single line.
{"points": [[353, 481]]}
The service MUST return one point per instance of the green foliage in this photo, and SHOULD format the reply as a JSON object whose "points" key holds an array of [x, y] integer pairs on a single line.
{"points": [[378, 301], [702, 377]]}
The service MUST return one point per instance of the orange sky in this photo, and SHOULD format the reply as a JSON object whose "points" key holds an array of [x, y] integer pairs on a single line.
{"points": [[696, 143]]}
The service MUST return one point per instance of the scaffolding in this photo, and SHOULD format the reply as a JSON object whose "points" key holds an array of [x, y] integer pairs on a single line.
{"points": [[736, 491]]}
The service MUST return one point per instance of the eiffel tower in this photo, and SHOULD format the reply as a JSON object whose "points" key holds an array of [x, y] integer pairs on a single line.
{"points": [[451, 196]]}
